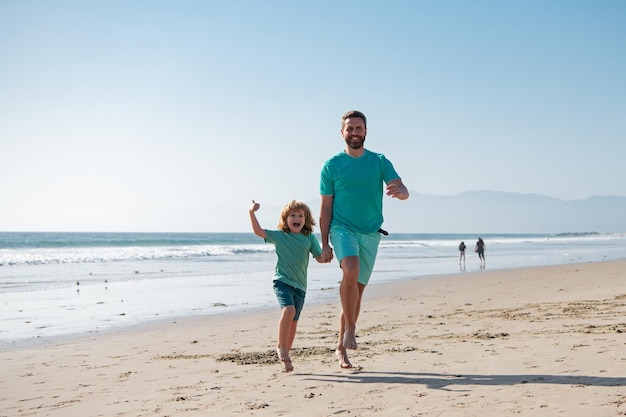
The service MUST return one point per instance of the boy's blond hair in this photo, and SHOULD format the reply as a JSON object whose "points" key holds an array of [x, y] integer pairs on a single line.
{"points": [[294, 205]]}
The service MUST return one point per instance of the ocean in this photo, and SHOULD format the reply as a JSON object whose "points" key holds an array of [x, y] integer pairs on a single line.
{"points": [[62, 284]]}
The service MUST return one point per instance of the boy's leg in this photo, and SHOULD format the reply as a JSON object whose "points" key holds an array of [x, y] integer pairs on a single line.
{"points": [[291, 301], [292, 334], [286, 333], [298, 301]]}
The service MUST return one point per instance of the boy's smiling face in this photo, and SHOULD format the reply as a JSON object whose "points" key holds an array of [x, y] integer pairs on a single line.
{"points": [[295, 221]]}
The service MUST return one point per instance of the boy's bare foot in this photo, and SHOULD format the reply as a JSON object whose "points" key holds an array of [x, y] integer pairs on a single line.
{"points": [[349, 339], [288, 367], [285, 360], [342, 357]]}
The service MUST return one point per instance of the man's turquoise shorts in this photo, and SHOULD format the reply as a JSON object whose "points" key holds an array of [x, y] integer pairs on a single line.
{"points": [[364, 245]]}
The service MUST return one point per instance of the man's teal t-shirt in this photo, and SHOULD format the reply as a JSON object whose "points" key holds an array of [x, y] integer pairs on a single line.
{"points": [[293, 251], [356, 185]]}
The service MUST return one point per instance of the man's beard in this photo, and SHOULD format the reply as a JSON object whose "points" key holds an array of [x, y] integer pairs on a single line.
{"points": [[355, 144]]}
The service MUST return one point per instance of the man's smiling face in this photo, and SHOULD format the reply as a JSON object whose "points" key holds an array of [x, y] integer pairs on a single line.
{"points": [[354, 132]]}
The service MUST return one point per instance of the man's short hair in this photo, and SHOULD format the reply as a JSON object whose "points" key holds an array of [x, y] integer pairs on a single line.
{"points": [[354, 113]]}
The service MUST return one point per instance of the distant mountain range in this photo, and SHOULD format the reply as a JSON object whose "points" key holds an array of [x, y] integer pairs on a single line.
{"points": [[503, 212], [475, 212]]}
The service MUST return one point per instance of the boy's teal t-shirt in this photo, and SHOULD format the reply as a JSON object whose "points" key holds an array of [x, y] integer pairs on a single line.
{"points": [[293, 251], [356, 185]]}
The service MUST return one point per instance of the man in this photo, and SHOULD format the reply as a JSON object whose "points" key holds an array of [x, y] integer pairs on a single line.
{"points": [[351, 214]]}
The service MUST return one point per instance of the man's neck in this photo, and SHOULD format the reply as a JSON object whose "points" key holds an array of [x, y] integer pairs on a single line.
{"points": [[355, 153]]}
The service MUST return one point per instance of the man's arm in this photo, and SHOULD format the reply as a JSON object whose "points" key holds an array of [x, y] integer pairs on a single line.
{"points": [[326, 215], [396, 189]]}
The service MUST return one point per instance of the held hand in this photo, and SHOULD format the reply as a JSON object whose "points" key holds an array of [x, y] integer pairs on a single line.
{"points": [[255, 206], [327, 254]]}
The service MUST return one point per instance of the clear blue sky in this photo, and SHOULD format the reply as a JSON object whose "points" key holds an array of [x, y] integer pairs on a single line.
{"points": [[133, 115]]}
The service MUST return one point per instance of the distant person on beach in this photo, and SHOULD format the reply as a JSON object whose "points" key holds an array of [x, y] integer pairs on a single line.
{"points": [[462, 248], [351, 187], [480, 250], [293, 241]]}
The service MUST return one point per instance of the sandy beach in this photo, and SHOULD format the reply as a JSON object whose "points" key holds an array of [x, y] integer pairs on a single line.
{"points": [[541, 341]]}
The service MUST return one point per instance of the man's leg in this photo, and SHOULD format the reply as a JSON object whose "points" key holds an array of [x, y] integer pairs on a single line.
{"points": [[349, 292], [357, 253], [341, 353]]}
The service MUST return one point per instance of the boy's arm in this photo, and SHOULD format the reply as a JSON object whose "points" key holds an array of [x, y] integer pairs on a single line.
{"points": [[325, 257], [256, 227]]}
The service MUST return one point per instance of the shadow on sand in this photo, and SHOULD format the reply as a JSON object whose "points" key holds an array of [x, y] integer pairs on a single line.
{"points": [[444, 381]]}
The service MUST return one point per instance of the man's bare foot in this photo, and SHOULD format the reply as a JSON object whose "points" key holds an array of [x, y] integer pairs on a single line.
{"points": [[349, 339], [284, 358], [342, 357]]}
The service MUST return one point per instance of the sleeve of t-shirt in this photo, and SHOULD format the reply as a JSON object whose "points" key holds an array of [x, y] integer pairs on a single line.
{"points": [[389, 172], [326, 181], [316, 250], [270, 236]]}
